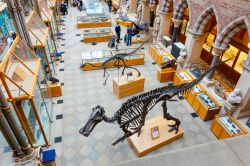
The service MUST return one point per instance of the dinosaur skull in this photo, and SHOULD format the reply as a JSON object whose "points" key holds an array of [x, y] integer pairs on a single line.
{"points": [[96, 116]]}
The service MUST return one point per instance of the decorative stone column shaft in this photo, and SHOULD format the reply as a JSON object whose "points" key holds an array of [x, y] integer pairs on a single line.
{"points": [[145, 11], [217, 53], [133, 6], [165, 23], [244, 86], [194, 45], [177, 24]]}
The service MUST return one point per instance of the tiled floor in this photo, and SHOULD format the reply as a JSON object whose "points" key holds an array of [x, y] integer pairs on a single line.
{"points": [[84, 90]]}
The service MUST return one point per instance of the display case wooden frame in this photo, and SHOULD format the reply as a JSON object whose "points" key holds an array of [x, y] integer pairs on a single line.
{"points": [[39, 33], [98, 35], [221, 131], [111, 64], [18, 92]]}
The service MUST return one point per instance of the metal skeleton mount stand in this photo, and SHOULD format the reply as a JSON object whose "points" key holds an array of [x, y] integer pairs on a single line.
{"points": [[132, 114], [116, 59]]}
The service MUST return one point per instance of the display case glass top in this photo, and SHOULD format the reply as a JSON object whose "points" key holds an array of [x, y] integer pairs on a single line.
{"points": [[46, 11], [37, 29], [97, 32], [185, 76], [19, 70], [101, 56], [207, 101], [93, 19], [230, 125]]}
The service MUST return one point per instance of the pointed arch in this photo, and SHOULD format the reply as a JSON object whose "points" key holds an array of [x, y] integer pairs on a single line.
{"points": [[204, 18], [178, 12], [230, 30]]}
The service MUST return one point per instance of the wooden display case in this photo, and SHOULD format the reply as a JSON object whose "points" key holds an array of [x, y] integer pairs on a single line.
{"points": [[55, 89], [93, 21], [21, 78], [226, 126], [165, 75], [182, 77], [206, 106], [97, 35], [191, 96], [123, 87], [144, 144], [124, 23], [98, 57], [159, 53]]}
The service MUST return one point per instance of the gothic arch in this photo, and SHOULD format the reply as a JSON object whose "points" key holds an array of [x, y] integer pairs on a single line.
{"points": [[178, 12], [230, 30], [203, 19]]}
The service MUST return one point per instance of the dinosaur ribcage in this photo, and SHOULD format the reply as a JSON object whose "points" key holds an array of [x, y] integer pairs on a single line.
{"points": [[135, 114]]}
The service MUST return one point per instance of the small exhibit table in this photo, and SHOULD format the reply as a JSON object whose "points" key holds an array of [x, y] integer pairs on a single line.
{"points": [[144, 144], [98, 57], [93, 21], [225, 126], [97, 35], [55, 89], [165, 75], [123, 87], [160, 55]]}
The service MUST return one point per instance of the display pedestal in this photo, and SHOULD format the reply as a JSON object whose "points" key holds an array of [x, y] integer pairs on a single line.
{"points": [[165, 75], [144, 144], [55, 90], [123, 87]]}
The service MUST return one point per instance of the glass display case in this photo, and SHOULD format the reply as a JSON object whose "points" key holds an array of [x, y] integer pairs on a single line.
{"points": [[94, 20], [97, 35], [226, 126], [208, 101], [21, 77], [232, 127], [94, 8], [230, 53], [101, 56]]}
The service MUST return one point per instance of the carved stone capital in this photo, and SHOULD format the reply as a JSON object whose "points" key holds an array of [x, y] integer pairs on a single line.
{"points": [[218, 51], [177, 23]]}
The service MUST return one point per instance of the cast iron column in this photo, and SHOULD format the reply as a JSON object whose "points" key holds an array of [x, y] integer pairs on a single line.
{"points": [[177, 24]]}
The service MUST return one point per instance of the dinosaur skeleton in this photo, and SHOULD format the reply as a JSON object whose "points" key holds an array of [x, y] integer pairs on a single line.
{"points": [[132, 114], [117, 60]]}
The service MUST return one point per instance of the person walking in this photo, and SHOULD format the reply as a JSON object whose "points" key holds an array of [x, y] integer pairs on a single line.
{"points": [[129, 35], [110, 6], [118, 32]]}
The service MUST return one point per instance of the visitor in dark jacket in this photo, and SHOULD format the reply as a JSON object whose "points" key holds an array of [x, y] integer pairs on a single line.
{"points": [[110, 6], [129, 35], [118, 32]]}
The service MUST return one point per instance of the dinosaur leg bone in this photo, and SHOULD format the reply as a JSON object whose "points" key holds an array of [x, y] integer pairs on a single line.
{"points": [[126, 66], [167, 116]]}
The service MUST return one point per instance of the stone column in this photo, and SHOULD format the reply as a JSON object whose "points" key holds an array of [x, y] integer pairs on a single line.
{"points": [[165, 23], [194, 44], [133, 6], [177, 24], [243, 84], [145, 11], [217, 53], [152, 14]]}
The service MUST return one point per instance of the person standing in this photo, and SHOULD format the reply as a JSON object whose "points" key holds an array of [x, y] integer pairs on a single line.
{"points": [[118, 32], [110, 6], [129, 35]]}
